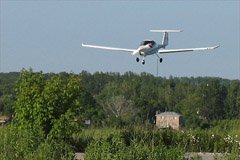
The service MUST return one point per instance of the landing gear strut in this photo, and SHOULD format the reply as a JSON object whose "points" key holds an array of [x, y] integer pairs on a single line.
{"points": [[160, 59]]}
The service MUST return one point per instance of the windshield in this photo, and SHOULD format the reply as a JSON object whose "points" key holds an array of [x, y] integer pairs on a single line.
{"points": [[147, 42]]}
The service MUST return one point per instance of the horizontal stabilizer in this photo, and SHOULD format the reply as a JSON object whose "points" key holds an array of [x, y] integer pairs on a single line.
{"points": [[166, 30]]}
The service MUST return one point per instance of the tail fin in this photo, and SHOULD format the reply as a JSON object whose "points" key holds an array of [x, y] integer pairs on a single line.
{"points": [[165, 36], [165, 39]]}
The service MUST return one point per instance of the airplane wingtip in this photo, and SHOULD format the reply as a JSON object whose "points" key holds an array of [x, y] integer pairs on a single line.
{"points": [[214, 47]]}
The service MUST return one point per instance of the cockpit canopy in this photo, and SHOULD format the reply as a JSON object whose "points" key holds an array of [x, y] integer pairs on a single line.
{"points": [[147, 42]]}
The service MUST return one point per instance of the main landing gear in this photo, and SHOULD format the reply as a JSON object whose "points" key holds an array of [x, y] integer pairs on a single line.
{"points": [[137, 59], [160, 60], [143, 61]]}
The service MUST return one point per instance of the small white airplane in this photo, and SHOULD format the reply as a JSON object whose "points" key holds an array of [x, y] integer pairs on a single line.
{"points": [[150, 47]]}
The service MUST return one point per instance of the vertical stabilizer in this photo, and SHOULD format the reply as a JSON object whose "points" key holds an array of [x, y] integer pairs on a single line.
{"points": [[165, 39], [165, 35]]}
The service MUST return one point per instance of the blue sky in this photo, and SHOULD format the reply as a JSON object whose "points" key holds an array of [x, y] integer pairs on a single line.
{"points": [[47, 36]]}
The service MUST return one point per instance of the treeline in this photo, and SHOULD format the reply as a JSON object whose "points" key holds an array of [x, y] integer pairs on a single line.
{"points": [[199, 100], [132, 98]]}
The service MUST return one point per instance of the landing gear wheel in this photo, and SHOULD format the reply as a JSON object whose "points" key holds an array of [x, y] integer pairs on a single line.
{"points": [[143, 62], [160, 60], [137, 59]]}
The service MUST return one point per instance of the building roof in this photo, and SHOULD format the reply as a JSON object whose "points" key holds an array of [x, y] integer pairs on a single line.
{"points": [[169, 114], [4, 117]]}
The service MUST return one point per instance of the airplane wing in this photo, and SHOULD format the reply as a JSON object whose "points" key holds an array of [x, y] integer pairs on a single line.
{"points": [[110, 48], [186, 50]]}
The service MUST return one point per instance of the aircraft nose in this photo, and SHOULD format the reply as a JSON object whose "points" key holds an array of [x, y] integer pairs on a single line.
{"points": [[142, 53]]}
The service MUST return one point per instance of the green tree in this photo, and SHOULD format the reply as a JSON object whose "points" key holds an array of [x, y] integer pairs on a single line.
{"points": [[6, 104], [189, 108], [213, 95], [30, 112], [54, 107], [118, 106], [232, 108]]}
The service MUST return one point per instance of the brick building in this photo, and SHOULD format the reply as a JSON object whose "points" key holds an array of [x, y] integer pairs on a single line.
{"points": [[169, 120]]}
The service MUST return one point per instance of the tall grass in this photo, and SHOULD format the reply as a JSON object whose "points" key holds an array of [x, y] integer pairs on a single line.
{"points": [[22, 144], [137, 142], [115, 147], [134, 142]]}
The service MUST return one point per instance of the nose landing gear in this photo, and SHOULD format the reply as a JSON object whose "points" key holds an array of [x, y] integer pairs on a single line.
{"points": [[143, 61]]}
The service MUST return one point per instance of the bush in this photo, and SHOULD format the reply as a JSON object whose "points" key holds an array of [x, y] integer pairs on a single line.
{"points": [[16, 143], [137, 146], [23, 144]]}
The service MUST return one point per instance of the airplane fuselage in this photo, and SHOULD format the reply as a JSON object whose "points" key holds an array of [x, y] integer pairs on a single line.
{"points": [[148, 47]]}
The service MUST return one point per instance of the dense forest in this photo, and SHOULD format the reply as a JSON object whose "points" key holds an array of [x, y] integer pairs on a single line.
{"points": [[49, 110]]}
